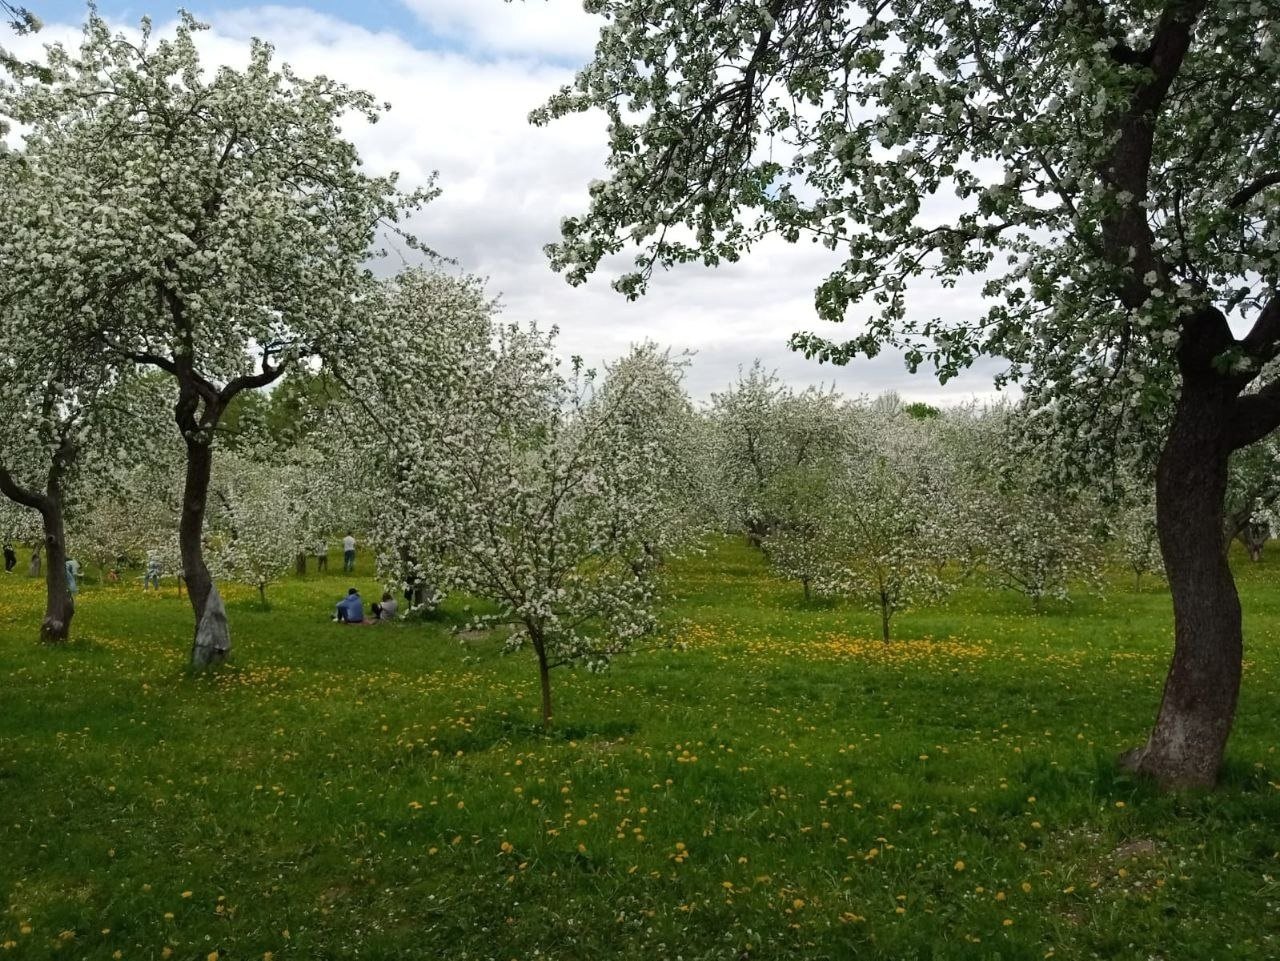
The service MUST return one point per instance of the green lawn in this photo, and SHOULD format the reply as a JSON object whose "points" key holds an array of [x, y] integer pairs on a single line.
{"points": [[773, 785]]}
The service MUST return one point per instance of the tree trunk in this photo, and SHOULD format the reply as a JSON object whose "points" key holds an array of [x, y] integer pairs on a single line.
{"points": [[884, 619], [300, 564], [262, 596], [195, 571], [805, 582], [544, 677], [59, 605], [1186, 746]]}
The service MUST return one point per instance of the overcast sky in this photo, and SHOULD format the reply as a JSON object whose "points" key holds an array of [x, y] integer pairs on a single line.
{"points": [[461, 77]]}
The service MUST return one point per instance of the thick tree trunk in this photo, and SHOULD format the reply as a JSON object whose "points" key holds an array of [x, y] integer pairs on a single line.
{"points": [[1186, 746], [59, 605], [195, 495], [300, 564]]}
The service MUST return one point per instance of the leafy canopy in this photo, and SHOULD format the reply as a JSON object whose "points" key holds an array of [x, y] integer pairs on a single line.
{"points": [[1107, 170]]}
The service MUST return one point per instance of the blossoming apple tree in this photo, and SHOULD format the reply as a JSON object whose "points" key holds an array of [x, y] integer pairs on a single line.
{"points": [[551, 494], [1107, 172], [213, 227], [65, 418], [890, 533]]}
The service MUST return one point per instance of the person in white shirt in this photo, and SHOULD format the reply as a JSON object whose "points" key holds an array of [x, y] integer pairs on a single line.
{"points": [[348, 553], [385, 609]]}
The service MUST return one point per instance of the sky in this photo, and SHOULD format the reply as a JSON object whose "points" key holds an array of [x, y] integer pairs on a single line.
{"points": [[461, 77]]}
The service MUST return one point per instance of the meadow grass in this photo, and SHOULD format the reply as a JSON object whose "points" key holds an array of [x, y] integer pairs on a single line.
{"points": [[770, 782]]}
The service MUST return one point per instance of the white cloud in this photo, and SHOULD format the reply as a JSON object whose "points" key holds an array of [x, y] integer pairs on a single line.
{"points": [[506, 186], [555, 28]]}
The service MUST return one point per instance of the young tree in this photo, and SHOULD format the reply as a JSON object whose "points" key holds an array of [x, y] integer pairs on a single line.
{"points": [[1039, 542], [498, 475], [419, 346], [1113, 169], [1253, 490], [890, 535], [798, 546], [211, 228], [657, 451], [254, 526], [1026, 527], [763, 435], [563, 497], [1135, 528]]}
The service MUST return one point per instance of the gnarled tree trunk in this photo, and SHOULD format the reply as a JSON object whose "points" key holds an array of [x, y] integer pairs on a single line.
{"points": [[212, 641], [59, 606], [1187, 744]]}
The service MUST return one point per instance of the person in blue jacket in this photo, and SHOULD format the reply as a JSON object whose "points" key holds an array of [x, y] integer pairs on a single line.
{"points": [[350, 609]]}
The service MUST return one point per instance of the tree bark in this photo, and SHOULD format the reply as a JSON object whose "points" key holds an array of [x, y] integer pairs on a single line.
{"points": [[195, 498], [300, 564], [884, 619], [59, 605], [544, 676], [1187, 744]]}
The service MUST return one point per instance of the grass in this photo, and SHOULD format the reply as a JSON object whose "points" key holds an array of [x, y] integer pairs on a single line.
{"points": [[774, 785]]}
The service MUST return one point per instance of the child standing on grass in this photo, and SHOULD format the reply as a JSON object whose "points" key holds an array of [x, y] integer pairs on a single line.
{"points": [[151, 577]]}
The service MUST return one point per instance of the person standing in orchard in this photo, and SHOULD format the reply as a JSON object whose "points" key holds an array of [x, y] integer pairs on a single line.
{"points": [[349, 553]]}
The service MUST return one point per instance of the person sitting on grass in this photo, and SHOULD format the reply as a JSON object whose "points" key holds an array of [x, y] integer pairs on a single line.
{"points": [[385, 609], [350, 609]]}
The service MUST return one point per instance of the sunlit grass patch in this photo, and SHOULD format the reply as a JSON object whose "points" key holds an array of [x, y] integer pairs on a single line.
{"points": [[769, 780]]}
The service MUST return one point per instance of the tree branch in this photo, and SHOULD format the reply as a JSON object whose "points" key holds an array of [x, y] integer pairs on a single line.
{"points": [[21, 495], [266, 376], [1256, 416], [1261, 340], [1252, 189]]}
